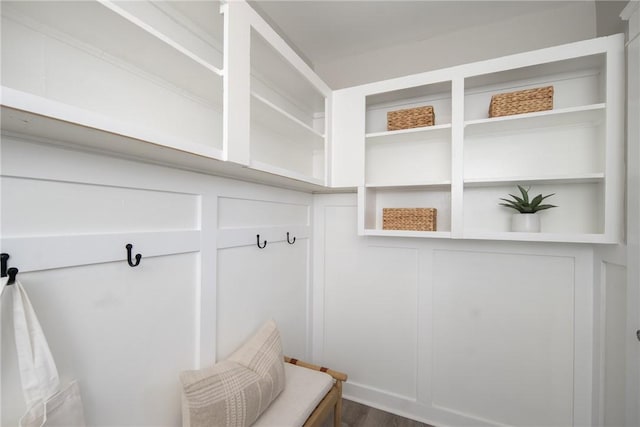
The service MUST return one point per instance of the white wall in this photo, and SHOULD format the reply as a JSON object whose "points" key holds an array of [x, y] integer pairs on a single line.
{"points": [[456, 332], [576, 21], [201, 288], [632, 15], [434, 372]]}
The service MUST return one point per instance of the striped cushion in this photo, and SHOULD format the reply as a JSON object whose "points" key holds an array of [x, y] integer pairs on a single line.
{"points": [[234, 392]]}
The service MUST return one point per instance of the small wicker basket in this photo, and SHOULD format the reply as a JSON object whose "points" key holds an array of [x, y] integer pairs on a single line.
{"points": [[417, 219], [411, 118], [522, 101]]}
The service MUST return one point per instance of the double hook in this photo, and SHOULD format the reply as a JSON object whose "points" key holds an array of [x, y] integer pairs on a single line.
{"points": [[138, 256], [289, 241], [4, 272]]}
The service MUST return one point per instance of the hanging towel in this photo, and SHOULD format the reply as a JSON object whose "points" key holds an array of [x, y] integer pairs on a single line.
{"points": [[48, 405]]}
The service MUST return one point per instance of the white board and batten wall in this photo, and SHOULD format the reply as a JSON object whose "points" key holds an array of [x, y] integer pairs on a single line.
{"points": [[631, 339], [455, 333], [479, 332], [85, 116], [201, 287]]}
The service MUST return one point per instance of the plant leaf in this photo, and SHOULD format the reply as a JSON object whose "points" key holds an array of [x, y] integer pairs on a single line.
{"points": [[517, 198], [512, 206], [536, 201], [510, 203], [542, 207], [525, 193]]}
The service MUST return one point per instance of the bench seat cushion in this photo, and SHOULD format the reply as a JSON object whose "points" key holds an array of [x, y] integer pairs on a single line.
{"points": [[304, 389]]}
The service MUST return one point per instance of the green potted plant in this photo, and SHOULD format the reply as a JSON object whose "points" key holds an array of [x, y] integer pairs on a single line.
{"points": [[526, 219]]}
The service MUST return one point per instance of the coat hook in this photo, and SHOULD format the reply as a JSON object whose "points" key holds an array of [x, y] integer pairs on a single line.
{"points": [[291, 242], [12, 272], [258, 241], [138, 256], [3, 266]]}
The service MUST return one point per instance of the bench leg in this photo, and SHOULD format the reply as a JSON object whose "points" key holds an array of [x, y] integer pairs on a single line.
{"points": [[337, 413]]}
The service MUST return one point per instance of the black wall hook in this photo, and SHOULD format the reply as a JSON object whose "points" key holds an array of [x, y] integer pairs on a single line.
{"points": [[12, 272], [258, 242], [138, 256], [291, 242], [3, 265]]}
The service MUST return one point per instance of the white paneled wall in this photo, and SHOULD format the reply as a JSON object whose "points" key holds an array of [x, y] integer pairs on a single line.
{"points": [[502, 344], [455, 332], [613, 351], [256, 284], [125, 333], [272, 281]]}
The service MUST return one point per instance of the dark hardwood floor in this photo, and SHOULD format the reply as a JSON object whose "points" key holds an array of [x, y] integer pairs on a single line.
{"points": [[357, 415]]}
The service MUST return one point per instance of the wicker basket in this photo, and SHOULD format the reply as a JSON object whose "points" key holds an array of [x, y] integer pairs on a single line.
{"points": [[411, 118], [522, 101], [418, 219]]}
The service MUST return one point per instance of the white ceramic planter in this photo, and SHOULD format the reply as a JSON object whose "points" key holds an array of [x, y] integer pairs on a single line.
{"points": [[527, 223]]}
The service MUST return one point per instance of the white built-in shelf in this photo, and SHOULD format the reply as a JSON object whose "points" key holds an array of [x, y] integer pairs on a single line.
{"points": [[206, 60], [146, 80], [280, 121], [24, 113], [280, 171], [93, 135], [288, 104], [526, 180], [408, 233], [106, 29], [274, 74], [538, 237], [113, 74], [467, 162], [397, 136], [433, 185], [541, 119], [564, 64]]}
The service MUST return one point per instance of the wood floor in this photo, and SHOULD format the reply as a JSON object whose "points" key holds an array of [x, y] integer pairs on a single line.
{"points": [[357, 415]]}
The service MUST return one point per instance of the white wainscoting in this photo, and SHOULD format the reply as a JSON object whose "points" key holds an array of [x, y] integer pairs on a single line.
{"points": [[125, 333], [615, 317], [256, 284], [502, 345], [455, 332]]}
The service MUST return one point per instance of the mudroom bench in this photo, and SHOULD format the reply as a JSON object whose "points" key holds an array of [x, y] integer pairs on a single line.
{"points": [[309, 395]]}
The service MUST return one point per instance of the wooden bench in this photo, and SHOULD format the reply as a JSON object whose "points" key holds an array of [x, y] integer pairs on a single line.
{"points": [[310, 393]]}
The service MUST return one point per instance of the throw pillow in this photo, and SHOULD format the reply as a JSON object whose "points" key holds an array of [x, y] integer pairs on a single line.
{"points": [[235, 391]]}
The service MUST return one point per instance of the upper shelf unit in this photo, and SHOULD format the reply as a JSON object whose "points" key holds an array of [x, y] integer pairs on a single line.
{"points": [[207, 79], [146, 70], [466, 160], [288, 113], [409, 156]]}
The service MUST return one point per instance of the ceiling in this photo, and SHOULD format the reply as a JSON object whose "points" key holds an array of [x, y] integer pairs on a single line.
{"points": [[324, 30]]}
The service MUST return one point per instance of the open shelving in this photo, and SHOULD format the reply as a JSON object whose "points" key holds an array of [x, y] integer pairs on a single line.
{"points": [[467, 161], [209, 80], [288, 115], [409, 167], [375, 198], [561, 151], [119, 67]]}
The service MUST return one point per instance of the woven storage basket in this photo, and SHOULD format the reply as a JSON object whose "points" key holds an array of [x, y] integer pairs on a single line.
{"points": [[522, 101], [418, 219], [411, 118]]}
